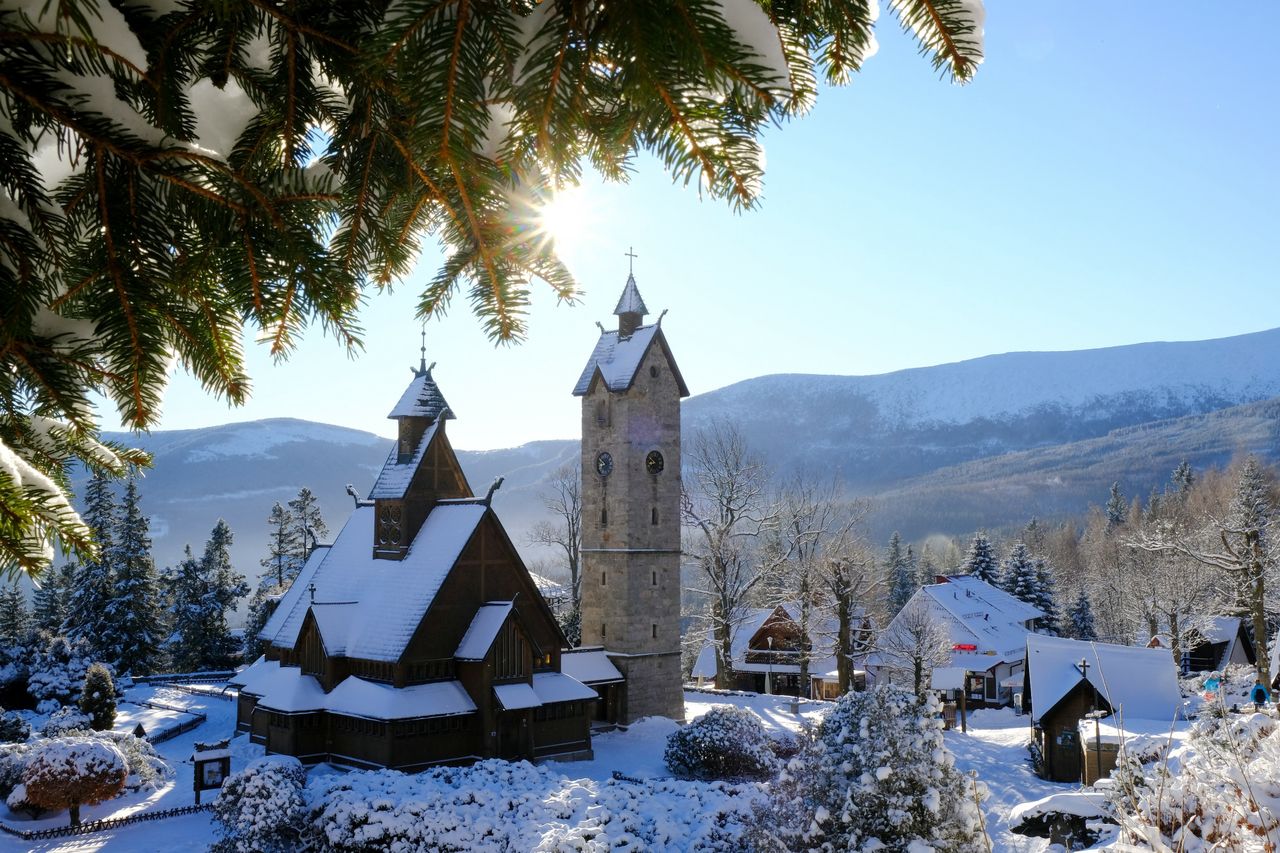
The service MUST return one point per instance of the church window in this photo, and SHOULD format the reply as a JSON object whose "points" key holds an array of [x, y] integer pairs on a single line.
{"points": [[655, 578], [604, 517], [655, 631], [602, 413], [653, 371], [509, 654], [604, 632], [389, 516], [653, 516], [604, 578]]}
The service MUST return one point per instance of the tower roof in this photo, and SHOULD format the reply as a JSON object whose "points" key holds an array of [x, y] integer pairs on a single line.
{"points": [[630, 301], [422, 399]]}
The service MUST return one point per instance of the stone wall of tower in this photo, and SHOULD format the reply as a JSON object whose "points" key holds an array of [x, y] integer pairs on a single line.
{"points": [[631, 535]]}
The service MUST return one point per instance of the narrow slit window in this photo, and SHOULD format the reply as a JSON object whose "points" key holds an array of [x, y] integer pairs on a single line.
{"points": [[655, 630], [653, 515], [604, 630], [604, 579], [655, 578], [604, 517]]}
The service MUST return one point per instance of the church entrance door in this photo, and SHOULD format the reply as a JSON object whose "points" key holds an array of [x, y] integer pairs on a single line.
{"points": [[509, 735]]}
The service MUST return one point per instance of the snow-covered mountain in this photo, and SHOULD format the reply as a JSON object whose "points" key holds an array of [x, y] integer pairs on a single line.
{"points": [[877, 430], [948, 447]]}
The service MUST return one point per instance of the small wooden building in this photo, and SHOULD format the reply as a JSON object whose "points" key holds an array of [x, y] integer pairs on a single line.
{"points": [[417, 637], [1220, 642], [1067, 679]]}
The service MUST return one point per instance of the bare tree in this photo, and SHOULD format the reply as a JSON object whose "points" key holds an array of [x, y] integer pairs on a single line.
{"points": [[724, 510], [850, 580], [916, 641], [563, 499], [807, 522], [1239, 545]]}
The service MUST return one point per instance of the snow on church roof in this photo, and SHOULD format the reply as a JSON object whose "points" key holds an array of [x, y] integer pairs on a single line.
{"points": [[483, 630], [422, 399], [552, 687], [630, 302], [513, 697], [1139, 682], [356, 697], [590, 665], [290, 691], [394, 478], [389, 597], [618, 360]]}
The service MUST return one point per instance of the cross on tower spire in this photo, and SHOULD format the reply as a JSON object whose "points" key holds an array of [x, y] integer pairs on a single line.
{"points": [[631, 263], [422, 364]]}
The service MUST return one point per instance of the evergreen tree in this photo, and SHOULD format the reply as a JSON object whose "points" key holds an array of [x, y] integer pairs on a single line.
{"points": [[187, 615], [52, 601], [1019, 575], [192, 218], [900, 573], [15, 621], [1116, 508], [262, 604], [224, 587], [308, 525], [98, 698], [135, 612], [285, 554], [927, 571], [94, 581], [981, 561], [1033, 536], [1184, 478], [1045, 598], [1080, 618]]}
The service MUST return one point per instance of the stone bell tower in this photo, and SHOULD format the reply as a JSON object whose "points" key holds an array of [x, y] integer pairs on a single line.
{"points": [[631, 390]]}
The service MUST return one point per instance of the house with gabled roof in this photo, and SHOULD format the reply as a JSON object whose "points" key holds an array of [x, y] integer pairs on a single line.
{"points": [[1215, 643], [1066, 679], [987, 629], [417, 637]]}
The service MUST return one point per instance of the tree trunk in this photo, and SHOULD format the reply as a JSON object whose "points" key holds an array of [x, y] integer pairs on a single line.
{"points": [[1259, 607], [1175, 642], [74, 809], [844, 644], [724, 646]]}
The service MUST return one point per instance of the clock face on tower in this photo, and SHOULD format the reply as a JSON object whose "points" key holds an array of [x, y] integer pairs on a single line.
{"points": [[604, 464], [654, 463]]}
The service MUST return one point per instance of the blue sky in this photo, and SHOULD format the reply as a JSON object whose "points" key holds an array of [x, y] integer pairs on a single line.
{"points": [[1110, 177]]}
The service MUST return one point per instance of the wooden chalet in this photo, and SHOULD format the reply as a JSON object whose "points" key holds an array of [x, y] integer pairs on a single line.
{"points": [[1066, 679], [1218, 643], [417, 637]]}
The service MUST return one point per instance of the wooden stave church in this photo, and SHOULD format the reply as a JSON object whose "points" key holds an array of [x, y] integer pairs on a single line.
{"points": [[418, 637]]}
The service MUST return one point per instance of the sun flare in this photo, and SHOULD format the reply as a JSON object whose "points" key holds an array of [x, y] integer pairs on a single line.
{"points": [[567, 219]]}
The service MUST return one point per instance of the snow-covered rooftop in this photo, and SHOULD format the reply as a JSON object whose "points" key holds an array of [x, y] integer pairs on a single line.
{"points": [[822, 657], [422, 399], [590, 666], [290, 691], [394, 478], [552, 687], [513, 697], [630, 302], [1138, 682], [356, 697], [254, 677], [388, 598], [483, 630], [618, 360], [981, 615]]}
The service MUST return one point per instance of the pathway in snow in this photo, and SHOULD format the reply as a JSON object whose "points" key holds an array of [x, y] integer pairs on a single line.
{"points": [[996, 747]]}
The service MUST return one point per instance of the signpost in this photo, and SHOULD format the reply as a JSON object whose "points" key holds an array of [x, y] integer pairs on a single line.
{"points": [[212, 766], [952, 678]]}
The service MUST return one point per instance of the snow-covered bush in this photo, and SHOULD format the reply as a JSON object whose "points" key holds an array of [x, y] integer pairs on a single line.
{"points": [[98, 698], [71, 772], [13, 729], [498, 806], [877, 777], [13, 761], [727, 742], [147, 770], [261, 809], [57, 672], [1220, 790], [66, 721]]}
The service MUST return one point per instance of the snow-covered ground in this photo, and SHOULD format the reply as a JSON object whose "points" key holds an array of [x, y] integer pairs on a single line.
{"points": [[995, 747]]}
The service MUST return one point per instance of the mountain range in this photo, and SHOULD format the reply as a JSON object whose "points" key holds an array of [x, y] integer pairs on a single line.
{"points": [[945, 449]]}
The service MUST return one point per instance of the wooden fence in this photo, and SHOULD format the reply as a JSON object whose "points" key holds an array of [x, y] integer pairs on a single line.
{"points": [[90, 826]]}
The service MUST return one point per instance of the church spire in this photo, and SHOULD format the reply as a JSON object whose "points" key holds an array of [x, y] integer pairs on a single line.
{"points": [[631, 308]]}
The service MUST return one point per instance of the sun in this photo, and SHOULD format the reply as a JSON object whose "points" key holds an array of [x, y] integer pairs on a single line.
{"points": [[568, 219]]}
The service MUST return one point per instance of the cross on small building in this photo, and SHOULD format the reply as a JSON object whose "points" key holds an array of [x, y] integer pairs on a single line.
{"points": [[311, 588], [631, 264]]}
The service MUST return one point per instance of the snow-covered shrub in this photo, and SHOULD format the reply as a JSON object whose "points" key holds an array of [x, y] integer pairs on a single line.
{"points": [[98, 698], [261, 809], [147, 769], [877, 777], [784, 745], [1220, 790], [13, 761], [727, 742], [71, 772], [499, 806], [13, 729], [57, 671], [66, 721]]}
